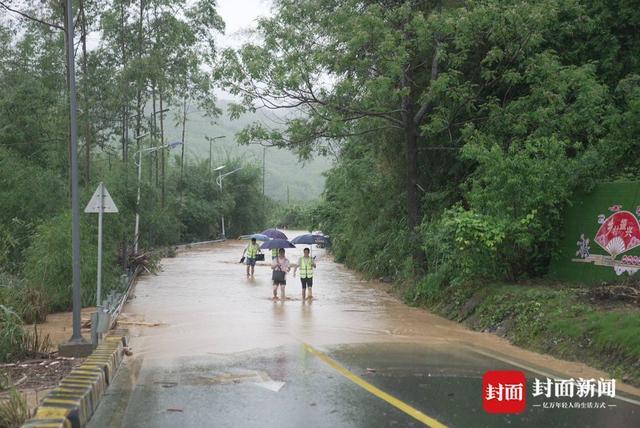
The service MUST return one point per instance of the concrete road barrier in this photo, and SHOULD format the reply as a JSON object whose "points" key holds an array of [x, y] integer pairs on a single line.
{"points": [[74, 401]]}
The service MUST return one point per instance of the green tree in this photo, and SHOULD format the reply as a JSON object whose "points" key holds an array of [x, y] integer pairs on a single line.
{"points": [[352, 67]]}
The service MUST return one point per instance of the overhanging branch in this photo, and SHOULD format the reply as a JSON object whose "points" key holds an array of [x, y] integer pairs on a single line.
{"points": [[32, 18]]}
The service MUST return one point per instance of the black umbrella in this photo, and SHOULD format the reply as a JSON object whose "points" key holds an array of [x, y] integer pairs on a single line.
{"points": [[277, 243], [309, 239], [274, 234]]}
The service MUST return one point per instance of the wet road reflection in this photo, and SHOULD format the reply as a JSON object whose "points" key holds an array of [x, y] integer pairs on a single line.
{"points": [[245, 352]]}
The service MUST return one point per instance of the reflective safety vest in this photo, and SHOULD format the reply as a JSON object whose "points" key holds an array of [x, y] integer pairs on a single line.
{"points": [[305, 264], [274, 253], [252, 250]]}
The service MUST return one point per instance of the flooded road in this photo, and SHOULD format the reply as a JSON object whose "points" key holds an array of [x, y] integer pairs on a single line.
{"points": [[225, 354]]}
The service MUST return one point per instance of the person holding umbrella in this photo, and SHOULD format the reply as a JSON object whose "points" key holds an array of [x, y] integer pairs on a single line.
{"points": [[306, 265], [280, 265], [251, 251], [280, 268]]}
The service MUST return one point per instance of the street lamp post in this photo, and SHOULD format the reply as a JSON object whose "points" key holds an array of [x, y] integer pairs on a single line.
{"points": [[211, 149], [76, 338], [140, 137], [219, 181], [139, 165]]}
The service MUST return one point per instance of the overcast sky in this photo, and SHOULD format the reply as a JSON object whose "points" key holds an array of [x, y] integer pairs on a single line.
{"points": [[239, 16]]}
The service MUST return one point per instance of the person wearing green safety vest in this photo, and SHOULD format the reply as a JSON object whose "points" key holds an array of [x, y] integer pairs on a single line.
{"points": [[274, 254], [251, 251], [306, 265]]}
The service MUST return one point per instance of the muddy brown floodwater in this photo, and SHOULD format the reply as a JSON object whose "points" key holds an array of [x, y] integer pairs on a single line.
{"points": [[210, 348], [206, 305]]}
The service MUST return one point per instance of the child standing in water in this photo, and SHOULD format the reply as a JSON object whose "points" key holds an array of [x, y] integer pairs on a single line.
{"points": [[280, 268]]}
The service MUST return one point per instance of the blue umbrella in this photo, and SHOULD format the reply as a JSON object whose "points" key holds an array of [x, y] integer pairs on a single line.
{"points": [[258, 236], [309, 239], [277, 243], [274, 234]]}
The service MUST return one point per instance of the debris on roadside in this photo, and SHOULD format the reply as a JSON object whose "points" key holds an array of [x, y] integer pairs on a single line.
{"points": [[39, 374]]}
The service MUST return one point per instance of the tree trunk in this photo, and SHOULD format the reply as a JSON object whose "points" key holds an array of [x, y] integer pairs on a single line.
{"points": [[411, 143], [125, 110], [155, 134], [162, 159], [140, 83], [184, 126], [411, 158], [125, 125]]}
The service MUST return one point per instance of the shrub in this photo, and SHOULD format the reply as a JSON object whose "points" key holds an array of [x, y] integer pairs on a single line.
{"points": [[14, 411], [28, 301], [523, 189], [11, 334], [49, 269], [460, 246], [30, 194]]}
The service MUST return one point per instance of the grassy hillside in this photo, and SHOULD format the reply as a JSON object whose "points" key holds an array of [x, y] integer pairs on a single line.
{"points": [[282, 168]]}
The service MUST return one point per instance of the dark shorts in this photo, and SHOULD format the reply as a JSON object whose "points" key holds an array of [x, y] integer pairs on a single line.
{"points": [[250, 261], [306, 282], [280, 282]]}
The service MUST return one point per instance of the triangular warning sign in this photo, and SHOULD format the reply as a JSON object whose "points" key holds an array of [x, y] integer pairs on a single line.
{"points": [[101, 195]]}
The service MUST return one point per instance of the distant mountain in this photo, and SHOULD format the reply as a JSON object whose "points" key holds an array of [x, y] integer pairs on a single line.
{"points": [[282, 168]]}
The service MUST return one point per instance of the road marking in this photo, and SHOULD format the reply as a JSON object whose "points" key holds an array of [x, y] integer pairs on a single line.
{"points": [[411, 411], [540, 372]]}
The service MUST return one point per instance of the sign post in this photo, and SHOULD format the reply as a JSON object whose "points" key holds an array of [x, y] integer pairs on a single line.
{"points": [[100, 203]]}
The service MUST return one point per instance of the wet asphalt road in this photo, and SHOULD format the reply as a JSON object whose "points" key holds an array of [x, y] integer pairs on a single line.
{"points": [[226, 355]]}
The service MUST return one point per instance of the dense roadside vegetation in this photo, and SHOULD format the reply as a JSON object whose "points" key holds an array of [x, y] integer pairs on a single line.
{"points": [[462, 131], [295, 215], [144, 72]]}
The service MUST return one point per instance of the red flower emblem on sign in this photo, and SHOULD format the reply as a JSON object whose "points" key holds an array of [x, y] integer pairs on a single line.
{"points": [[619, 233]]}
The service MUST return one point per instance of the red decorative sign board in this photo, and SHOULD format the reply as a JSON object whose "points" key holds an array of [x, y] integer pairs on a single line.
{"points": [[619, 233]]}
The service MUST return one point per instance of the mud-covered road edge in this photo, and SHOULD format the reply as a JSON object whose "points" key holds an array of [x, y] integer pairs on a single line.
{"points": [[561, 320]]}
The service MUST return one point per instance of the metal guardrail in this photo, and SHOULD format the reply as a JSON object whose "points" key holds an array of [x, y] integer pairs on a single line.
{"points": [[121, 300], [195, 244]]}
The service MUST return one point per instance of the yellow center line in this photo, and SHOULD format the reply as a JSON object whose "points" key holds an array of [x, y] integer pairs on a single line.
{"points": [[411, 411]]}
